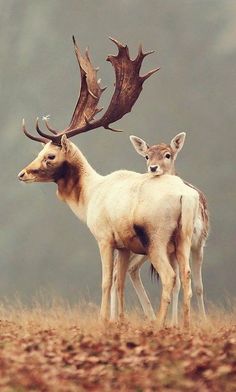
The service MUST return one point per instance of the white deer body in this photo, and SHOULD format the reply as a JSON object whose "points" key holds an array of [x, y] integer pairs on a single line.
{"points": [[124, 210], [111, 205], [125, 191]]}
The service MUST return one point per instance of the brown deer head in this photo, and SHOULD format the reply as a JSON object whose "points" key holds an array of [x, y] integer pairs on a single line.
{"points": [[160, 157]]}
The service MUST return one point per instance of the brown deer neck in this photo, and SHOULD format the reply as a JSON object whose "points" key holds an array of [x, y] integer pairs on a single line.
{"points": [[75, 178]]}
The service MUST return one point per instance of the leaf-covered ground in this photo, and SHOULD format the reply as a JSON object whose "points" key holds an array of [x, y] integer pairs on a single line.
{"points": [[61, 349]]}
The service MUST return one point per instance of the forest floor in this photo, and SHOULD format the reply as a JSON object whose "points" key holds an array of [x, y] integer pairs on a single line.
{"points": [[61, 348]]}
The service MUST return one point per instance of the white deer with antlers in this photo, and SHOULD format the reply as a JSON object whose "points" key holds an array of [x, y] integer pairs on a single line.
{"points": [[125, 211], [160, 160]]}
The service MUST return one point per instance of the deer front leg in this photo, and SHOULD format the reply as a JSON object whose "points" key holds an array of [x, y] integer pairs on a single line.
{"points": [[134, 274], [114, 302], [106, 252], [175, 293], [122, 266]]}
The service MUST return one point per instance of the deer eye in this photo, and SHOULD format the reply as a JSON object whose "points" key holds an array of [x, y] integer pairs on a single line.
{"points": [[51, 156], [167, 155], [147, 157]]}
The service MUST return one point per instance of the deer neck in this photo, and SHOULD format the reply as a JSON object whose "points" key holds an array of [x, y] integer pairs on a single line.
{"points": [[172, 171], [76, 182]]}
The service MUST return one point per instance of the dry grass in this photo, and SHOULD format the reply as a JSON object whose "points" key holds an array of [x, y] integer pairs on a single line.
{"points": [[55, 347]]}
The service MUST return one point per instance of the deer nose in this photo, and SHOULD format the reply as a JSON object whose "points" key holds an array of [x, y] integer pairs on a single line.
{"points": [[21, 175], [153, 168]]}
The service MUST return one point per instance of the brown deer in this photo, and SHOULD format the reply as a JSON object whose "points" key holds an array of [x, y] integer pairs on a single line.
{"points": [[160, 160], [125, 211]]}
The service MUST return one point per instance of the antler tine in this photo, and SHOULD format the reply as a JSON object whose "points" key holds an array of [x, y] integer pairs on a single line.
{"points": [[49, 127], [150, 73], [118, 44], [143, 54], [113, 129], [54, 138], [35, 138], [140, 56]]}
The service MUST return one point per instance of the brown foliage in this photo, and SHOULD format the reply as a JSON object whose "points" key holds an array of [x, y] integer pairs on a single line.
{"points": [[69, 350]]}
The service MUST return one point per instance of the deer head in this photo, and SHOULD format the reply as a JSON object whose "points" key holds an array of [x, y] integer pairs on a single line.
{"points": [[160, 157], [128, 86], [50, 164]]}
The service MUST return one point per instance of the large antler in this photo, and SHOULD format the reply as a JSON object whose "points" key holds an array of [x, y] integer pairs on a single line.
{"points": [[127, 89]]}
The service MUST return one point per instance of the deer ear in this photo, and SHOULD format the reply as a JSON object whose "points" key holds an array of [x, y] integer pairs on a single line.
{"points": [[65, 143], [177, 143], [140, 145]]}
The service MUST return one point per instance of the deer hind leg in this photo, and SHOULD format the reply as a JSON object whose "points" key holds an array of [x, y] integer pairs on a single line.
{"points": [[122, 266], [175, 293], [197, 259], [106, 253], [183, 254], [160, 261], [134, 274], [189, 208]]}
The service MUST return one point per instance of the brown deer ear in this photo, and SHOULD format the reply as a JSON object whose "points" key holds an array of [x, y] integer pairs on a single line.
{"points": [[177, 143], [65, 143], [140, 145]]}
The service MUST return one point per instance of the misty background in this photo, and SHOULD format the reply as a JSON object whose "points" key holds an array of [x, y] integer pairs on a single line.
{"points": [[43, 245]]}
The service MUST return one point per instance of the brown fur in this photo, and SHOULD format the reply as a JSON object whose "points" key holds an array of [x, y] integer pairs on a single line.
{"points": [[67, 178], [159, 150], [156, 155]]}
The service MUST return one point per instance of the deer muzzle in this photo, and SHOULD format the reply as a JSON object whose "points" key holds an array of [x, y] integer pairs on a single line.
{"points": [[23, 176], [155, 169]]}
